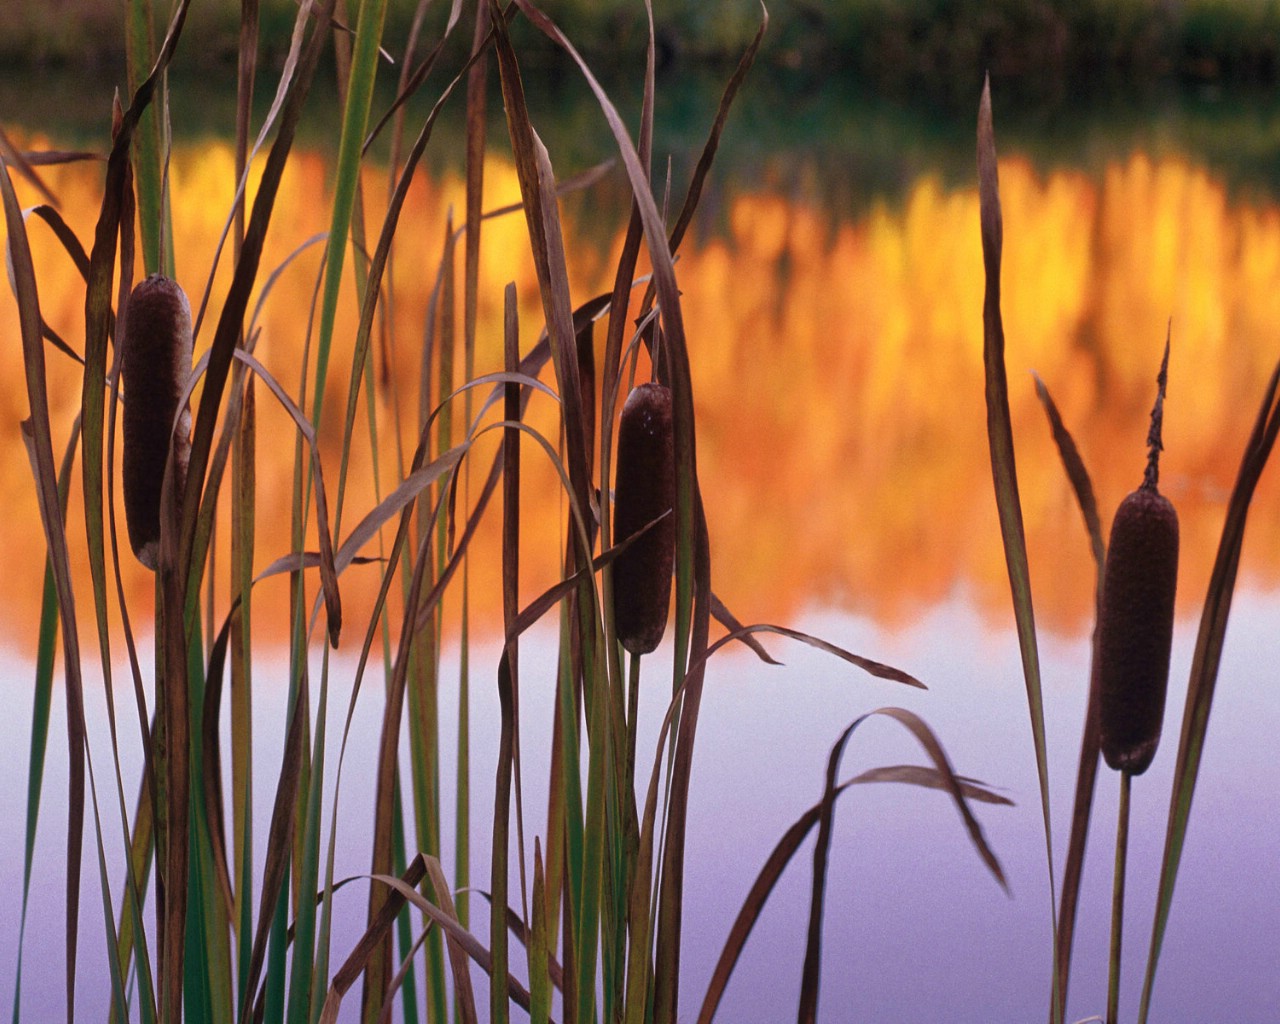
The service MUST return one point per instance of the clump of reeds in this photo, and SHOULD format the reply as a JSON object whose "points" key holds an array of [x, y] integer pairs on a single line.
{"points": [[645, 490], [156, 361]]}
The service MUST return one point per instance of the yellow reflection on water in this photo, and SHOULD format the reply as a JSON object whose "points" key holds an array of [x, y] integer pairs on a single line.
{"points": [[837, 366]]}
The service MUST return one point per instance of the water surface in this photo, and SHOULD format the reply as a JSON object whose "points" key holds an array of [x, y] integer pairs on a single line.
{"points": [[836, 337]]}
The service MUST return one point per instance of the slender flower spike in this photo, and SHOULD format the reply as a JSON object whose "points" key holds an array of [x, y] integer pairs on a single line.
{"points": [[1135, 631], [156, 357], [645, 490]]}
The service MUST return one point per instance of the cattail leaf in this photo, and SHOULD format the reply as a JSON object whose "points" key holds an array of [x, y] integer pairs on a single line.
{"points": [[279, 851], [37, 436], [1004, 468], [645, 849], [539, 947], [359, 95], [328, 569], [509, 666], [530, 366], [65, 236], [693, 559], [727, 619], [42, 704], [46, 331], [468, 942], [411, 81], [524, 935], [874, 668], [246, 73], [15, 158], [1077, 474], [464, 997], [285, 114], [354, 965], [57, 157], [1087, 765], [376, 271], [538, 191], [1204, 667], [792, 839], [810, 981]]}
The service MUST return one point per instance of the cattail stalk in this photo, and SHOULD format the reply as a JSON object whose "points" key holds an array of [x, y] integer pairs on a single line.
{"points": [[645, 490], [1117, 900], [1135, 635], [156, 362]]}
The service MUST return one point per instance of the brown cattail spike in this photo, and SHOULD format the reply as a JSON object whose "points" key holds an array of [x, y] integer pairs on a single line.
{"points": [[645, 490], [156, 356], [1135, 631]]}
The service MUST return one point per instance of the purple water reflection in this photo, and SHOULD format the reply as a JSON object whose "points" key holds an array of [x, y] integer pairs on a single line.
{"points": [[915, 929]]}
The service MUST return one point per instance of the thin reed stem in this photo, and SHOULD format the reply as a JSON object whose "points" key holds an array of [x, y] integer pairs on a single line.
{"points": [[633, 718], [1117, 900]]}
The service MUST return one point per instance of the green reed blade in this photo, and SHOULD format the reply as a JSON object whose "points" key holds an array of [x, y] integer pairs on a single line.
{"points": [[539, 948], [243, 490], [149, 159], [364, 67], [243, 501], [310, 962]]}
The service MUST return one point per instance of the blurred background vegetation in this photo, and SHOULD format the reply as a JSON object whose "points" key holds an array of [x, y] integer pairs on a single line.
{"points": [[896, 44], [850, 99]]}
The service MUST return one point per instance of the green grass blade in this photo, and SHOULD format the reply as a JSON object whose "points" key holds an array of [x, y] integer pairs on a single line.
{"points": [[508, 670], [243, 489], [1204, 668], [355, 119], [539, 951], [1005, 474], [148, 159]]}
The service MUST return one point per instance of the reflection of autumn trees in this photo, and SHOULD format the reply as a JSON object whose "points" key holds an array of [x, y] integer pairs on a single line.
{"points": [[838, 369]]}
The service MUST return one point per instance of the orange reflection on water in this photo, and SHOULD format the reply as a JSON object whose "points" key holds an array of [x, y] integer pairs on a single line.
{"points": [[837, 366], [866, 428]]}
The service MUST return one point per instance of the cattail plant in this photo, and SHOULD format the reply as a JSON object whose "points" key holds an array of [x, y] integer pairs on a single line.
{"points": [[1135, 633], [645, 489], [156, 355], [1135, 630]]}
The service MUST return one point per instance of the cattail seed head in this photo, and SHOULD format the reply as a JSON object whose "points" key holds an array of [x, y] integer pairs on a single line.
{"points": [[156, 362], [1135, 629], [645, 489]]}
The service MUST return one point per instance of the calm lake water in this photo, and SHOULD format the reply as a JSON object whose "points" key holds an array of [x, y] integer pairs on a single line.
{"points": [[833, 293]]}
